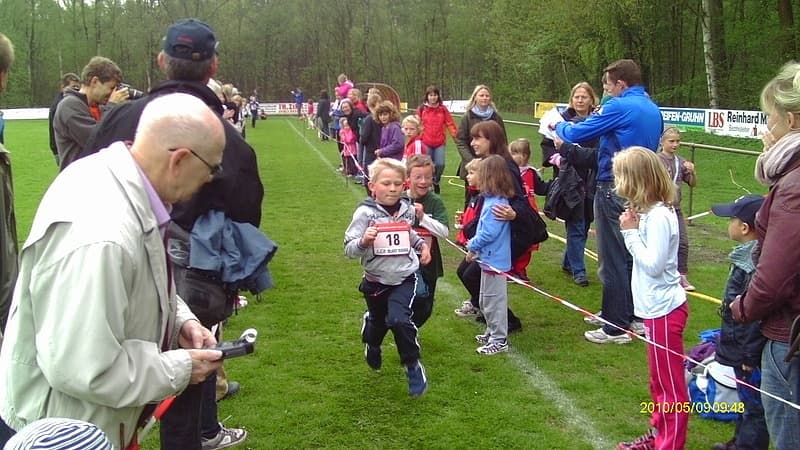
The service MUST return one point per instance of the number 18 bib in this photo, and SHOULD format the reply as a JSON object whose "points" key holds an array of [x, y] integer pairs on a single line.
{"points": [[393, 239]]}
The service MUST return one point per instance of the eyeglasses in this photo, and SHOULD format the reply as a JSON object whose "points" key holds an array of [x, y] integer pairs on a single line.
{"points": [[216, 170]]}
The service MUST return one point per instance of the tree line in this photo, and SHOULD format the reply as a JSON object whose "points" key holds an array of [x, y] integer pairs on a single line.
{"points": [[694, 53]]}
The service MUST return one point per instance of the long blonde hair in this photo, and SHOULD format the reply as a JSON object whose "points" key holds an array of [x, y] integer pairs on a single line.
{"points": [[642, 179], [477, 89]]}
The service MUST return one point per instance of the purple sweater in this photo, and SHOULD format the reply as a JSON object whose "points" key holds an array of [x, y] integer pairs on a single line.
{"points": [[392, 141]]}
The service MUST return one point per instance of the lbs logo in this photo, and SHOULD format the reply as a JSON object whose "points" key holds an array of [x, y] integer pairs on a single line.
{"points": [[716, 119]]}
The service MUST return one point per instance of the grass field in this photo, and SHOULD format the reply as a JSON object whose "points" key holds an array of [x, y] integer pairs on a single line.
{"points": [[307, 386]]}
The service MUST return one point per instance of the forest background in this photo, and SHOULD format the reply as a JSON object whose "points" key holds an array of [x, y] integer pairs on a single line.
{"points": [[694, 53]]}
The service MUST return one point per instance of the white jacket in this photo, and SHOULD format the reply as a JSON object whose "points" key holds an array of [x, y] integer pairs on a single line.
{"points": [[91, 308]]}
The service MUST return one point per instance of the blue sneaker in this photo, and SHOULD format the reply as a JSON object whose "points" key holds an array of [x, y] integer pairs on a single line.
{"points": [[417, 381], [372, 355]]}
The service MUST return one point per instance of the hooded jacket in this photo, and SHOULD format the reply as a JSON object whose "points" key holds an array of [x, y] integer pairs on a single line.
{"points": [[387, 270]]}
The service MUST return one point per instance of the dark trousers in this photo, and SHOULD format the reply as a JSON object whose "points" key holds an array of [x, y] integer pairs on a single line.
{"points": [[5, 433], [470, 275], [615, 261], [253, 117], [751, 429], [389, 308], [423, 306]]}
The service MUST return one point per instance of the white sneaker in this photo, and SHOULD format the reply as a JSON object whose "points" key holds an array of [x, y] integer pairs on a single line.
{"points": [[637, 327], [594, 321], [493, 348], [227, 437], [467, 310], [599, 336]]}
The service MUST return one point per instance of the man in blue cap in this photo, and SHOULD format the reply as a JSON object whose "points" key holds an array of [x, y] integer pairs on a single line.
{"points": [[189, 60]]}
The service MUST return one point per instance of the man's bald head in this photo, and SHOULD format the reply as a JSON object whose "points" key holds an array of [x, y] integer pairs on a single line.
{"points": [[178, 142]]}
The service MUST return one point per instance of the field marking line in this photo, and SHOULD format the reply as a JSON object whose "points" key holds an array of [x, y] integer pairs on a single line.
{"points": [[537, 378]]}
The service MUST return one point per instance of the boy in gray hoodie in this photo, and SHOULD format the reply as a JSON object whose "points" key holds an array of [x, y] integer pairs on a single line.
{"points": [[380, 234]]}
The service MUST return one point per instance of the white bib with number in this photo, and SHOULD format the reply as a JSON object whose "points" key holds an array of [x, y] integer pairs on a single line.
{"points": [[393, 239]]}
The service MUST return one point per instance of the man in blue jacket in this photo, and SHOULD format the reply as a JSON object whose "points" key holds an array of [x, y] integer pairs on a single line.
{"points": [[630, 118]]}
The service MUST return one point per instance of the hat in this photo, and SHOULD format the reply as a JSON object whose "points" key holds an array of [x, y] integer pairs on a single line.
{"points": [[59, 434], [190, 39], [743, 208]]}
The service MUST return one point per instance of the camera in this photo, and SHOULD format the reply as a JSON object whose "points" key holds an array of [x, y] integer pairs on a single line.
{"points": [[133, 93]]}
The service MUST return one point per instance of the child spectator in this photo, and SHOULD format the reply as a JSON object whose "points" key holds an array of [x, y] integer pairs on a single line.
{"points": [[412, 130], [681, 171], [349, 151], [492, 246], [310, 116], [380, 234], [430, 223], [391, 134], [740, 344], [354, 95], [344, 86], [533, 185], [469, 220], [650, 230]]}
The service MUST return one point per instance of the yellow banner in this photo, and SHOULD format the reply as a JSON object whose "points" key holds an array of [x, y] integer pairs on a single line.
{"points": [[542, 107]]}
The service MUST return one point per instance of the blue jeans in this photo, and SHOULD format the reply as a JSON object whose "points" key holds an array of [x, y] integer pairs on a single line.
{"points": [[577, 230], [614, 260], [751, 428], [780, 378], [438, 157]]}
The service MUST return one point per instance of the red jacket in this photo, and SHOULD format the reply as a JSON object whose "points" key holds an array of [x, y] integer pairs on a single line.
{"points": [[435, 120], [774, 293], [415, 146]]}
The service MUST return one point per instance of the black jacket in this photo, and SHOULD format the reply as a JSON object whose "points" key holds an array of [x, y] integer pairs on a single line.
{"points": [[324, 110], [238, 192], [739, 343]]}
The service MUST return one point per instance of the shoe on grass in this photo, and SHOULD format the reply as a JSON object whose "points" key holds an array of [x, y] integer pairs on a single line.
{"points": [[646, 441], [581, 280], [467, 310], [482, 339], [493, 348], [233, 388], [227, 437], [637, 327], [417, 381], [593, 320], [599, 336], [372, 355]]}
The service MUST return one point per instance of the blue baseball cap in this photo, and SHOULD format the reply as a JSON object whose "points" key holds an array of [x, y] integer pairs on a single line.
{"points": [[743, 208], [190, 39]]}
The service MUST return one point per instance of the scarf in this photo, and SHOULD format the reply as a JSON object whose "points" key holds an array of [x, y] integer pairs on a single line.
{"points": [[742, 256], [483, 114], [772, 164]]}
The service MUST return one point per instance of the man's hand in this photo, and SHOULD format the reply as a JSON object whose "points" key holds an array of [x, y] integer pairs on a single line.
{"points": [[195, 335], [204, 363], [119, 95], [471, 256]]}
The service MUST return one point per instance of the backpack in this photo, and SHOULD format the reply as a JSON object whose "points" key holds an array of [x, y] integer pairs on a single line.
{"points": [[712, 391], [527, 229]]}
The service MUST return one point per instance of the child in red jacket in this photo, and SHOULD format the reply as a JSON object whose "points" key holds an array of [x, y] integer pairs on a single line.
{"points": [[412, 130], [520, 150]]}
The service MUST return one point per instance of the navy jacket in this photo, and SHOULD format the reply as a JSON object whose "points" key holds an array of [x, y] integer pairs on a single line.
{"points": [[739, 343]]}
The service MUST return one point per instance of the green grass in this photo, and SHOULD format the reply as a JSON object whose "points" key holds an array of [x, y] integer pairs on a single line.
{"points": [[307, 386]]}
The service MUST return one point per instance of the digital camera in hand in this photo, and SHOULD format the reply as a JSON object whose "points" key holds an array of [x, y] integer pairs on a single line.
{"points": [[240, 347], [133, 93]]}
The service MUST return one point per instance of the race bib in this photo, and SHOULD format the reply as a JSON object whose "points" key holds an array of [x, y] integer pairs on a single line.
{"points": [[393, 239]]}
